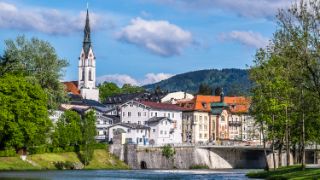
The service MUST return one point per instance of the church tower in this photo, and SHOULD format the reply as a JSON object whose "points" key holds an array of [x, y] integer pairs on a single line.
{"points": [[87, 66]]}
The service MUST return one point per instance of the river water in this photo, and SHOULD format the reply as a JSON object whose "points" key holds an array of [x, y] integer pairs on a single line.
{"points": [[123, 174]]}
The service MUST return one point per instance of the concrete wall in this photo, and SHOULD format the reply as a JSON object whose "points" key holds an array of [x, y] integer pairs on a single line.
{"points": [[185, 157]]}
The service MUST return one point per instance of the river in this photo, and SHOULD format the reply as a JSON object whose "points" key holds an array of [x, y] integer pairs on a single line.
{"points": [[123, 174]]}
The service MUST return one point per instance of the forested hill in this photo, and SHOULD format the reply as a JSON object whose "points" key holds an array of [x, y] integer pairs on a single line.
{"points": [[233, 81]]}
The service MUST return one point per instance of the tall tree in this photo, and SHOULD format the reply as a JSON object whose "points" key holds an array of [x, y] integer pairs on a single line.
{"points": [[205, 89], [24, 118], [88, 136], [38, 59]]}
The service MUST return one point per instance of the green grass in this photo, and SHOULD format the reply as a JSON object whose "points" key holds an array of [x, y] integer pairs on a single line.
{"points": [[15, 163], [102, 159], [292, 172], [199, 166]]}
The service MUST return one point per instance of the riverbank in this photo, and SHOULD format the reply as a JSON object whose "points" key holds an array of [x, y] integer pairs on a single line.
{"points": [[102, 159], [292, 172]]}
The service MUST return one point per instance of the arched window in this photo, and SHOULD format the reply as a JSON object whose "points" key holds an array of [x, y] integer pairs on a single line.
{"points": [[90, 75]]}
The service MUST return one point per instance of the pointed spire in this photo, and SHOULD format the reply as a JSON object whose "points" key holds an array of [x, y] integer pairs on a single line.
{"points": [[87, 35]]}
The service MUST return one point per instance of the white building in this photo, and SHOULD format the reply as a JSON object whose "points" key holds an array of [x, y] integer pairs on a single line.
{"points": [[133, 133], [87, 67], [172, 98], [145, 112]]}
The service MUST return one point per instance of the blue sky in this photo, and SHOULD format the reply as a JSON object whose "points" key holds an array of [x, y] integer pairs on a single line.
{"points": [[144, 41]]}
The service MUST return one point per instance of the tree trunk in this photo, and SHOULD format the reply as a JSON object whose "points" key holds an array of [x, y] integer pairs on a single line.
{"points": [[264, 147], [287, 139], [303, 144], [280, 154], [273, 154]]}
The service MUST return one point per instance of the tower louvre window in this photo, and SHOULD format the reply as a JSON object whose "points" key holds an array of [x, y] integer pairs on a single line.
{"points": [[90, 75]]}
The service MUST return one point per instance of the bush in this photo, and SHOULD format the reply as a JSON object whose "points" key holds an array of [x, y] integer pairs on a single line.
{"points": [[69, 149], [38, 150], [8, 153], [199, 166], [57, 150], [64, 165], [168, 151]]}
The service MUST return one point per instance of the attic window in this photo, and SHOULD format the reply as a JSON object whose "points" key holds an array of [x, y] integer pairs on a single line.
{"points": [[204, 105]]}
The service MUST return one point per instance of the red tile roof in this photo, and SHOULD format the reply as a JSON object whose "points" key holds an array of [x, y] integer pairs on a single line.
{"points": [[72, 87], [163, 106], [238, 104]]}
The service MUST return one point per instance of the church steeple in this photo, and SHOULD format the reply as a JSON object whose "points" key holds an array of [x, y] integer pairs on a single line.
{"points": [[87, 66], [87, 35]]}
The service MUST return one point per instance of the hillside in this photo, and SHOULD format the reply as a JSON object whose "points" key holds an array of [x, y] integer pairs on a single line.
{"points": [[234, 81]]}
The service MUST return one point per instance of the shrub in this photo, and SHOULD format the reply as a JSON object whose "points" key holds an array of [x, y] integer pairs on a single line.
{"points": [[38, 149], [57, 150], [69, 149], [8, 153], [64, 165], [199, 166], [168, 151]]}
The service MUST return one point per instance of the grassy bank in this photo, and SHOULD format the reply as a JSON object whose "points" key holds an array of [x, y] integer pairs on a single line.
{"points": [[101, 160], [292, 172]]}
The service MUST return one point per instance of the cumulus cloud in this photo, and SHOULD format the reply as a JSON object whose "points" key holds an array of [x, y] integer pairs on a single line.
{"points": [[246, 8], [50, 21], [159, 37], [121, 79], [247, 38]]}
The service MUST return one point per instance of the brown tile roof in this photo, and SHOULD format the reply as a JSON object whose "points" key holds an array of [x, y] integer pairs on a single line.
{"points": [[163, 106], [72, 87], [238, 104]]}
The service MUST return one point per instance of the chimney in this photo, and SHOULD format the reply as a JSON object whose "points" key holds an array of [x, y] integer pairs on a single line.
{"points": [[185, 95]]}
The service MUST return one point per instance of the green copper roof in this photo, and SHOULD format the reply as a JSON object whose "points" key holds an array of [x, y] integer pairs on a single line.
{"points": [[219, 104]]}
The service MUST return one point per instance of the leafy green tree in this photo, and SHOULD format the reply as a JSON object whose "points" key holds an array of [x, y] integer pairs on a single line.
{"points": [[107, 89], [205, 89], [68, 130], [38, 59], [88, 136], [128, 88], [24, 120]]}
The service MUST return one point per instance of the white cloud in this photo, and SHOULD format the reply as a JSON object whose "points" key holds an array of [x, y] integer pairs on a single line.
{"points": [[159, 37], [247, 38], [50, 21], [153, 78], [247, 8], [121, 79]]}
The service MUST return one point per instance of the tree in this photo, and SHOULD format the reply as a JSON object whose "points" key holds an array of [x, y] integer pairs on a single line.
{"points": [[38, 59], [286, 78], [68, 130], [24, 116], [128, 88], [88, 136], [107, 89], [205, 89]]}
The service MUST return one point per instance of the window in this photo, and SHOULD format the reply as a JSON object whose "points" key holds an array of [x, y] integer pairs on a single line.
{"points": [[90, 75], [195, 118], [128, 130], [123, 114], [151, 114], [200, 135], [222, 118], [200, 127], [137, 130], [172, 115], [165, 132], [166, 122], [161, 132], [205, 118], [205, 127], [82, 78], [139, 122], [129, 122], [140, 140], [156, 114], [153, 130], [168, 115], [200, 118], [139, 114], [129, 114], [145, 113], [164, 114], [205, 135]]}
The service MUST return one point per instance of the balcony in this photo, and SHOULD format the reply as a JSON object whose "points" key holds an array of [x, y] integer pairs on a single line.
{"points": [[101, 137], [235, 123]]}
